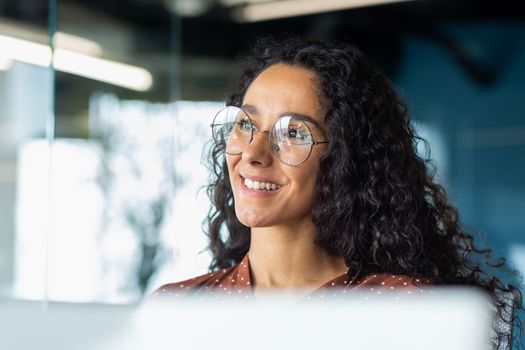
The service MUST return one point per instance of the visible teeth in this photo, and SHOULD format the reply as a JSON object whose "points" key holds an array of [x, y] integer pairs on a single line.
{"points": [[260, 185]]}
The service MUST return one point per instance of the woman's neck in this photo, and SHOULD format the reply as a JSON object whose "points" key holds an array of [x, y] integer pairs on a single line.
{"points": [[286, 257]]}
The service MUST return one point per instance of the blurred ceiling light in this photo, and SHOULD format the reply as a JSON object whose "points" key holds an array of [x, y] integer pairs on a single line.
{"points": [[5, 63], [77, 44], [120, 74], [190, 8], [25, 51], [290, 8], [37, 35]]}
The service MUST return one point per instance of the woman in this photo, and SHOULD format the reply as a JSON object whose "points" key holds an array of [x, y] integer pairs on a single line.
{"points": [[318, 185]]}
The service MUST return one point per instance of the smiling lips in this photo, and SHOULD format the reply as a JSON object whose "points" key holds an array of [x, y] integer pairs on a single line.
{"points": [[260, 185]]}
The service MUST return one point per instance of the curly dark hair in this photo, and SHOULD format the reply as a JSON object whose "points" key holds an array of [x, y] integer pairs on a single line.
{"points": [[377, 203]]}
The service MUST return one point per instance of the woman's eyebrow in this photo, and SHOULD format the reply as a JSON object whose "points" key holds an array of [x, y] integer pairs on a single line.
{"points": [[251, 109], [303, 117]]}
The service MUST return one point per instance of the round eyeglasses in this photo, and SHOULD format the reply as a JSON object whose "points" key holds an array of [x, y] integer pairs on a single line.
{"points": [[290, 137]]}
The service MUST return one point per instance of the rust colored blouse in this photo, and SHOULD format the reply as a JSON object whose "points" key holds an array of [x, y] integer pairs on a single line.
{"points": [[235, 282]]}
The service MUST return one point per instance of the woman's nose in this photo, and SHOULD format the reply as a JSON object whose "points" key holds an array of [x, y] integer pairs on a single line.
{"points": [[258, 151]]}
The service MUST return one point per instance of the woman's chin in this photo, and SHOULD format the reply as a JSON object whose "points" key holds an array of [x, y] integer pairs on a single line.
{"points": [[252, 223], [254, 220]]}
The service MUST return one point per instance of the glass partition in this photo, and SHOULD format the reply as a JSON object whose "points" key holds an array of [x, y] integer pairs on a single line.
{"points": [[90, 124], [26, 117]]}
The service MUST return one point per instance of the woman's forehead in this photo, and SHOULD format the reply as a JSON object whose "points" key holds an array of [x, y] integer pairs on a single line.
{"points": [[282, 89]]}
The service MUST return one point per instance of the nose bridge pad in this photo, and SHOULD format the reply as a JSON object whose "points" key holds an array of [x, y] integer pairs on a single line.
{"points": [[274, 147], [259, 132], [265, 135]]}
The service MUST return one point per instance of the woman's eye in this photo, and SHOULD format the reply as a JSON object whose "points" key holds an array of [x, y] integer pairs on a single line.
{"points": [[296, 134], [292, 133], [245, 125]]}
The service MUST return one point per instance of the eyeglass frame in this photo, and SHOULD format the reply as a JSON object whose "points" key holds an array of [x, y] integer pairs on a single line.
{"points": [[254, 127]]}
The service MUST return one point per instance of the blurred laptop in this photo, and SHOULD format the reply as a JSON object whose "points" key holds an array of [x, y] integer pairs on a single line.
{"points": [[452, 319]]}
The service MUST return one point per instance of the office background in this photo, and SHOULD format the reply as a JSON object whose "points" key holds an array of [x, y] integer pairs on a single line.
{"points": [[105, 107]]}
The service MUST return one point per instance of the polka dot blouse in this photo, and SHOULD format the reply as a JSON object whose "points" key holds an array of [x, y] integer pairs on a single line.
{"points": [[236, 282]]}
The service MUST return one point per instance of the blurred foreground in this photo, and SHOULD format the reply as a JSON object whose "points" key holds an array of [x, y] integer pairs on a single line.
{"points": [[444, 319]]}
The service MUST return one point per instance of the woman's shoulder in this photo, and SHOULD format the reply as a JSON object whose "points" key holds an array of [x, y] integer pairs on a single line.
{"points": [[392, 282], [193, 284], [377, 282]]}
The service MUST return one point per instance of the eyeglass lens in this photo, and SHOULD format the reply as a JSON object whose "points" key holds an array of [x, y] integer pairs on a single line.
{"points": [[290, 137]]}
